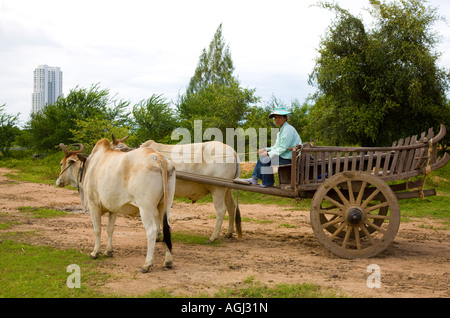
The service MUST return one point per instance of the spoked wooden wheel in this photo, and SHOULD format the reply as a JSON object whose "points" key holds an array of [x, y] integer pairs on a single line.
{"points": [[355, 214]]}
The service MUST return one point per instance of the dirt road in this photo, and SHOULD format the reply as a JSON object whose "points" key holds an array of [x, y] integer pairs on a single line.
{"points": [[283, 250]]}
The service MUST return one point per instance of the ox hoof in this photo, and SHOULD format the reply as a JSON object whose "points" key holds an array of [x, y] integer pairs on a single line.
{"points": [[168, 265], [94, 255], [145, 269], [109, 253]]}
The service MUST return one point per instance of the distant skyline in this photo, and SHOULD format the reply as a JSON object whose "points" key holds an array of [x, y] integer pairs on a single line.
{"points": [[140, 48]]}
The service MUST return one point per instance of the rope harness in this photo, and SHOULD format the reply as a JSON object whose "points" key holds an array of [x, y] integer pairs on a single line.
{"points": [[65, 169], [79, 175]]}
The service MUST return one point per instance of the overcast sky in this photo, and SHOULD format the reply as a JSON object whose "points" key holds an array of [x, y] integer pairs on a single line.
{"points": [[139, 48]]}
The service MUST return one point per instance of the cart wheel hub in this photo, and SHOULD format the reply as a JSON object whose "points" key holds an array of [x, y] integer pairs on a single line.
{"points": [[354, 215]]}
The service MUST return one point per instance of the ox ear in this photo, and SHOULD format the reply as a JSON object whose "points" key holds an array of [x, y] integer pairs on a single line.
{"points": [[71, 160], [82, 157]]}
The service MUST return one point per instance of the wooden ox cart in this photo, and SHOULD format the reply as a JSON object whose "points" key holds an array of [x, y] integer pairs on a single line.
{"points": [[354, 211]]}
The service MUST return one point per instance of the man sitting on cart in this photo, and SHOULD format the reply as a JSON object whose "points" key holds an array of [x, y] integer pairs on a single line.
{"points": [[279, 153]]}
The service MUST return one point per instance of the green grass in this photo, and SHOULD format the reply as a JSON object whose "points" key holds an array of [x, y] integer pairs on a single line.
{"points": [[45, 170], [41, 212], [250, 288], [6, 224], [28, 271], [192, 239], [41, 272], [244, 219], [254, 289], [288, 226]]}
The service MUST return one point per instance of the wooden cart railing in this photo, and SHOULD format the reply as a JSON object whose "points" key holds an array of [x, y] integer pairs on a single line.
{"points": [[405, 159]]}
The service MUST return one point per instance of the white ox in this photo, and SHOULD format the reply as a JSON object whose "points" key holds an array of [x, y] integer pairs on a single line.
{"points": [[142, 181], [212, 159]]}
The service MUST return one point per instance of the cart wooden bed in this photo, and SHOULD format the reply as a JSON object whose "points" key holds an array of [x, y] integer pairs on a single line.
{"points": [[354, 211]]}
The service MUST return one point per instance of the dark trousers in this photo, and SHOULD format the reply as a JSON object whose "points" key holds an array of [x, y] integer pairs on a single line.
{"points": [[263, 169]]}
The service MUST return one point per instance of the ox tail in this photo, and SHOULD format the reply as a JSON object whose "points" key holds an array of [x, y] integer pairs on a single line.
{"points": [[166, 232], [237, 213], [165, 221], [165, 176], [238, 217]]}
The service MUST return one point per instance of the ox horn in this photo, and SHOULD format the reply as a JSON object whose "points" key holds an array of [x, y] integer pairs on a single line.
{"points": [[80, 146], [64, 148], [116, 141]]}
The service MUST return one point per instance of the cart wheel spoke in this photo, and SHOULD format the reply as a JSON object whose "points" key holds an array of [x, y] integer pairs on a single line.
{"points": [[332, 222], [339, 230], [367, 234], [334, 202], [370, 198], [376, 207], [351, 196], [341, 196], [379, 229], [378, 216], [347, 235], [357, 238], [323, 211], [361, 192]]}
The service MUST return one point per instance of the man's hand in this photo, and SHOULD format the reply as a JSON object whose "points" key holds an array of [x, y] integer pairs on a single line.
{"points": [[263, 152]]}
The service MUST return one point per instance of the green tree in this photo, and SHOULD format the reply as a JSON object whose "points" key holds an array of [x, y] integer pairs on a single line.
{"points": [[258, 117], [153, 119], [214, 95], [56, 123], [8, 130], [446, 115], [217, 105], [90, 130], [378, 85], [299, 118], [214, 67]]}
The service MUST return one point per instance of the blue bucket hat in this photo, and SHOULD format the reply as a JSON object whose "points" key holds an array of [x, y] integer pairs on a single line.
{"points": [[280, 111]]}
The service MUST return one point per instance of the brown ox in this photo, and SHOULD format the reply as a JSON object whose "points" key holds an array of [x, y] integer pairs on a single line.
{"points": [[142, 181]]}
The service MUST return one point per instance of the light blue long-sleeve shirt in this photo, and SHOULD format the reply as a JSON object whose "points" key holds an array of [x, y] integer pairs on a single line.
{"points": [[286, 137]]}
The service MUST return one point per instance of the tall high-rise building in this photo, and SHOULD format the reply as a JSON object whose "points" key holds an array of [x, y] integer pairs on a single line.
{"points": [[47, 86]]}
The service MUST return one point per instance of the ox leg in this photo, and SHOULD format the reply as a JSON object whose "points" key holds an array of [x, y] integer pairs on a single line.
{"points": [[231, 207], [168, 261], [159, 231], [150, 221], [218, 196], [97, 224], [110, 229]]}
